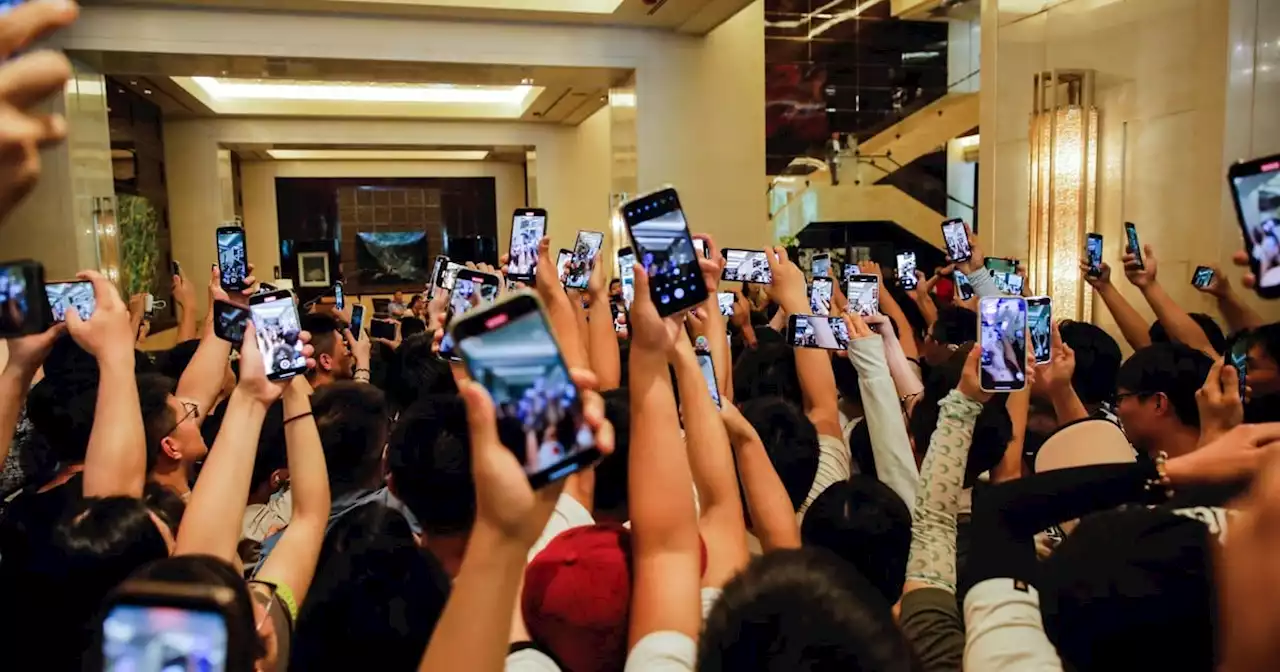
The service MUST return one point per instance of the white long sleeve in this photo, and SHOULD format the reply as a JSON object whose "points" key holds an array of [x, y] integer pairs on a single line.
{"points": [[983, 284], [895, 463]]}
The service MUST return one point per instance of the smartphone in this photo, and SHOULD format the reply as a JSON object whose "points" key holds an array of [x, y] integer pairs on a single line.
{"points": [[1014, 282], [746, 266], [1000, 264], [174, 268], [24, 304], [229, 321], [339, 299], [1238, 357], [700, 246], [382, 329], [1002, 335], [956, 235], [726, 301], [1132, 244], [276, 323], [471, 289], [1040, 320], [850, 270], [1093, 254], [863, 292], [63, 295], [357, 320], [820, 295], [1255, 188], [562, 264], [963, 286], [159, 626], [709, 374], [619, 312], [437, 267], [448, 272], [821, 266], [660, 235], [907, 270], [817, 331], [528, 225], [1203, 277], [233, 264], [627, 275], [585, 249], [508, 347]]}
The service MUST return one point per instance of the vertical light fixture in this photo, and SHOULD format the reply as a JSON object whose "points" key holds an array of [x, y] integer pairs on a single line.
{"points": [[1064, 180]]}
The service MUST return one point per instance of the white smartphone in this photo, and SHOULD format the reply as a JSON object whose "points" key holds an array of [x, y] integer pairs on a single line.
{"points": [[585, 249], [817, 331], [1040, 319], [907, 270], [821, 267], [1002, 335], [863, 292], [820, 295]]}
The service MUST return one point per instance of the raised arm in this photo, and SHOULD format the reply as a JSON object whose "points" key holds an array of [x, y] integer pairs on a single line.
{"points": [[905, 380], [923, 297], [26, 355], [202, 380], [1237, 313], [602, 341], [1132, 325], [185, 296], [895, 462], [714, 325], [813, 366], [773, 518], [1055, 377], [560, 312], [889, 308], [116, 460], [1175, 319]]}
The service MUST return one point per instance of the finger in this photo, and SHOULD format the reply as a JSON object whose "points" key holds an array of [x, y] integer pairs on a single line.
{"points": [[1264, 432], [770, 258], [1230, 378], [642, 284], [1055, 337], [72, 317], [30, 21], [249, 345], [584, 379], [347, 334], [1240, 258], [104, 293], [481, 419]]}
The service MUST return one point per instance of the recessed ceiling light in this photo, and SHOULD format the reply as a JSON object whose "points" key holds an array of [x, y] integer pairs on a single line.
{"points": [[527, 81], [147, 91], [378, 154], [230, 89]]}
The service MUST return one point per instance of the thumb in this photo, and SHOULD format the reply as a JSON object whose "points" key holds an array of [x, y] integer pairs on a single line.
{"points": [[642, 282], [481, 418]]}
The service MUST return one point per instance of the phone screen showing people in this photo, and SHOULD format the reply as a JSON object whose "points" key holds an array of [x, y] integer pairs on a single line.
{"points": [[863, 293], [907, 270], [1256, 188], [820, 295], [627, 275], [510, 350], [660, 235], [1093, 254], [1040, 319], [279, 331], [233, 265], [229, 321], [963, 286], [1238, 357], [19, 313], [709, 375], [471, 289], [821, 266], [562, 264], [527, 229], [1203, 277], [850, 270], [619, 312], [154, 638], [1000, 264], [339, 299], [1003, 338], [64, 295], [726, 301], [817, 331], [746, 266], [956, 235], [585, 249], [1131, 242]]}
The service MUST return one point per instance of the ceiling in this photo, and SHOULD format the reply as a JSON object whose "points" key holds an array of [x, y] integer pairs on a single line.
{"points": [[696, 17], [293, 152]]}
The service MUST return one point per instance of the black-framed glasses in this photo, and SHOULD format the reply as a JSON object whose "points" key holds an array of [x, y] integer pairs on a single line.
{"points": [[1121, 396], [190, 410]]}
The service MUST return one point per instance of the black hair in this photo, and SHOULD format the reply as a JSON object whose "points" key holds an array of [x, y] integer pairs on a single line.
{"points": [[955, 325], [611, 473], [166, 504], [326, 332], [429, 459], [374, 591], [992, 431], [868, 526], [802, 609], [410, 326], [1174, 369], [417, 372], [767, 370], [61, 412], [1158, 334], [1098, 360], [1268, 338], [791, 441], [174, 361], [158, 419], [846, 378], [353, 423]]}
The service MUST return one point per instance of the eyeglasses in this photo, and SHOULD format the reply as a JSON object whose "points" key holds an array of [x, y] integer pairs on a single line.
{"points": [[1121, 396], [264, 593], [190, 410]]}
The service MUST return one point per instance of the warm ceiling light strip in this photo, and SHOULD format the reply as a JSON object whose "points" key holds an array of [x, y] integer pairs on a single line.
{"points": [[228, 89], [378, 154]]}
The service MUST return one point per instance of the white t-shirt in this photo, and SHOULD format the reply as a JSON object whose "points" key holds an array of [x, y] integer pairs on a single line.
{"points": [[834, 465], [568, 514], [667, 651]]}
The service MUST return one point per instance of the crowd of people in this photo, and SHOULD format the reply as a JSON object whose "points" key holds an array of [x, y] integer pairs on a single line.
{"points": [[865, 508]]}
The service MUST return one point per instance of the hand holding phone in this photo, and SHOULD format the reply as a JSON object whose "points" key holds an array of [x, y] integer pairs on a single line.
{"points": [[1040, 320], [821, 266], [278, 330], [907, 270], [1255, 186], [820, 293], [863, 293], [1203, 277], [747, 266], [660, 235], [956, 235], [229, 321], [1093, 254], [233, 263], [528, 226], [585, 250], [1132, 245]]}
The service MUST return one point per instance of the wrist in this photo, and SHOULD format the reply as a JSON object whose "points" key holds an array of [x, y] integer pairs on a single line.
{"points": [[498, 545], [246, 401]]}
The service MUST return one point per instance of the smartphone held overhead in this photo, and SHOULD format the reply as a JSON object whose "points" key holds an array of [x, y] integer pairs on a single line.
{"points": [[1040, 319], [585, 250], [1132, 245], [1093, 254], [279, 333], [661, 239], [817, 331], [528, 226], [750, 266], [1203, 277], [863, 293], [820, 295], [907, 270], [956, 236], [233, 263], [63, 296], [1255, 187], [1002, 335], [25, 306], [471, 290]]}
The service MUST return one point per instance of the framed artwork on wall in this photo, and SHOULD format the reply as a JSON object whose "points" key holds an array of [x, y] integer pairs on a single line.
{"points": [[313, 269]]}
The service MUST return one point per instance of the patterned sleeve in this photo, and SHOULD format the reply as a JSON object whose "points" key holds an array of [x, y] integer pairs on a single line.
{"points": [[932, 558]]}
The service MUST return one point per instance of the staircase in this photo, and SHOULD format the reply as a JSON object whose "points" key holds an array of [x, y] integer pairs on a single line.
{"points": [[929, 128]]}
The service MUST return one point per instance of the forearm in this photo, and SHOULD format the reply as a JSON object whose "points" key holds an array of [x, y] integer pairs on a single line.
{"points": [[983, 284], [308, 473], [905, 380], [564, 324], [1010, 466], [890, 308], [187, 323], [895, 463], [717, 332], [115, 462], [773, 520], [13, 395], [779, 321], [1132, 325], [603, 344], [1067, 407], [661, 501], [202, 380], [1239, 316], [1177, 322], [928, 309]]}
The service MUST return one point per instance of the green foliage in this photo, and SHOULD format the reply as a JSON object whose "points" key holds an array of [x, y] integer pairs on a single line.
{"points": [[787, 241], [138, 222]]}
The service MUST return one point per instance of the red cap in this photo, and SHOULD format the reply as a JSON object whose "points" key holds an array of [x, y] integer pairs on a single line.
{"points": [[944, 288]]}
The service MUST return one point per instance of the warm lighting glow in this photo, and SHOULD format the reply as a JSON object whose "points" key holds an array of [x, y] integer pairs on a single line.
{"points": [[251, 89], [968, 141], [378, 154], [622, 99]]}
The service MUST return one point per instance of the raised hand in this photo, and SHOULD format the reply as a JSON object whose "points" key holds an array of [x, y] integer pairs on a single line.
{"points": [[1236, 454], [971, 378], [976, 259], [788, 289], [547, 276], [240, 298], [858, 328], [1056, 374], [649, 331], [1219, 286], [1146, 275], [253, 370], [1241, 259], [109, 331], [712, 266], [1218, 401], [1098, 281], [27, 353]]}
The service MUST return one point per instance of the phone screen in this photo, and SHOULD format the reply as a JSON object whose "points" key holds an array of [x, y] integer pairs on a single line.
{"points": [[850, 270], [1256, 187], [436, 267], [820, 296], [562, 264], [963, 285], [1000, 265], [447, 275], [383, 329], [1014, 282], [726, 301], [339, 299], [1203, 277], [817, 331], [956, 236], [152, 638], [627, 276], [1003, 338], [232, 262], [471, 289], [1093, 253], [229, 321], [63, 295], [1135, 247], [700, 246], [1040, 319], [16, 316], [527, 229], [357, 320], [660, 235], [709, 375], [907, 270], [821, 266], [863, 292], [746, 266], [510, 350], [276, 323], [585, 250], [1238, 357]]}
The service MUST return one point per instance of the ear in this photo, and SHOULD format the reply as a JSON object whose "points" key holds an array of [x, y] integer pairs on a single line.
{"points": [[325, 361], [170, 448], [1162, 403]]}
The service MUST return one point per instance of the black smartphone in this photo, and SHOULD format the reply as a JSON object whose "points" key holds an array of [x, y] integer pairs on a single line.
{"points": [[437, 267], [448, 271], [24, 304], [382, 329], [1255, 187], [1203, 277], [339, 299], [155, 626], [820, 295], [1002, 335], [817, 331], [278, 330], [1040, 320], [585, 250], [627, 275], [528, 225], [907, 270], [562, 264], [1132, 244], [1000, 264], [175, 268], [1238, 357], [963, 285], [727, 301], [233, 259], [820, 267], [1093, 253], [863, 292], [660, 235], [357, 320], [508, 347], [709, 374], [64, 295], [956, 235], [471, 290], [746, 266], [229, 320]]}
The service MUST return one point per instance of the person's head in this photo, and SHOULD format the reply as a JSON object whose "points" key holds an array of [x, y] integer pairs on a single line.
{"points": [[62, 414], [173, 362], [868, 526], [417, 373], [802, 609], [410, 326], [615, 287], [767, 370], [174, 441], [333, 358], [353, 423], [790, 440], [1212, 331], [1098, 360], [846, 380], [992, 431], [1264, 352], [954, 327], [399, 297], [1156, 393], [611, 473], [375, 593]]}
